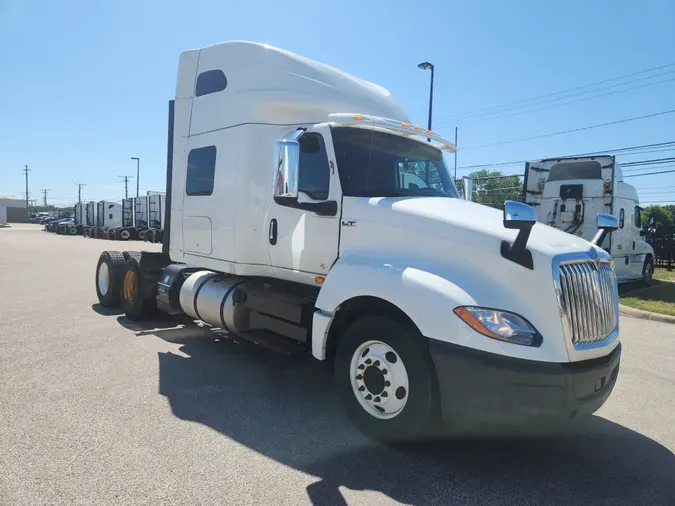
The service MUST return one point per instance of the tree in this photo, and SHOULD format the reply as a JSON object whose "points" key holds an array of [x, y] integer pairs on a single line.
{"points": [[658, 221], [491, 189]]}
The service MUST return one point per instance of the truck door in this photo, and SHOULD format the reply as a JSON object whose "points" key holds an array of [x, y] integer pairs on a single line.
{"points": [[621, 238], [303, 241]]}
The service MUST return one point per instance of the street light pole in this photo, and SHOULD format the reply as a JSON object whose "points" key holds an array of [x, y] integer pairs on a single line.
{"points": [[429, 66], [138, 173]]}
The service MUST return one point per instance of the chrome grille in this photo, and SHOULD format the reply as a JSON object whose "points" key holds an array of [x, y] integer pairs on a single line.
{"points": [[589, 301]]}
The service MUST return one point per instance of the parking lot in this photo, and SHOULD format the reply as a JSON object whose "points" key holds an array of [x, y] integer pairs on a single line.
{"points": [[95, 409]]}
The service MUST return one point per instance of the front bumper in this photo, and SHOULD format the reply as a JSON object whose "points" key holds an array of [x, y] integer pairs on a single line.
{"points": [[479, 386]]}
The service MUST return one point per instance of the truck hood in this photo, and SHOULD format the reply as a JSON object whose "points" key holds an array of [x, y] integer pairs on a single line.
{"points": [[465, 224]]}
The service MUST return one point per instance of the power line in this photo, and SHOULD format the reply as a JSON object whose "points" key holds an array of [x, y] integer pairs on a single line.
{"points": [[517, 113], [650, 173], [653, 161], [473, 112], [590, 127], [615, 150]]}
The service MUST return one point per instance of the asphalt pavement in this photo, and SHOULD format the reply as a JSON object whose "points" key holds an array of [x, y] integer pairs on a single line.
{"points": [[95, 409]]}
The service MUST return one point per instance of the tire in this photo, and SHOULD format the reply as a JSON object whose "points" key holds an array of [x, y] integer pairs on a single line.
{"points": [[137, 300], [648, 270], [125, 235], [107, 279], [129, 254], [398, 354], [142, 234], [72, 231]]}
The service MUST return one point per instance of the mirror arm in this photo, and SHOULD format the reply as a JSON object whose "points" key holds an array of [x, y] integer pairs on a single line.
{"points": [[599, 237]]}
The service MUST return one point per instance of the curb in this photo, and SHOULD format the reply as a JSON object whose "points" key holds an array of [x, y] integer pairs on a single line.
{"points": [[639, 313]]}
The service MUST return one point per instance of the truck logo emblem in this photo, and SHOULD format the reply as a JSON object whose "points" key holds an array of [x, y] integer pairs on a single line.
{"points": [[595, 258]]}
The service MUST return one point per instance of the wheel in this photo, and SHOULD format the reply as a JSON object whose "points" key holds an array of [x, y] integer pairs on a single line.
{"points": [[141, 235], [385, 379], [648, 270], [125, 235], [138, 301], [72, 230], [108, 270]]}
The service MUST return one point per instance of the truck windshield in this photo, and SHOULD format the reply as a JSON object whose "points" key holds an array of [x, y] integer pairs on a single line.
{"points": [[373, 163], [575, 170]]}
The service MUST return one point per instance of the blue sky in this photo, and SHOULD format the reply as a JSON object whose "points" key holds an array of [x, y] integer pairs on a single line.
{"points": [[85, 85]]}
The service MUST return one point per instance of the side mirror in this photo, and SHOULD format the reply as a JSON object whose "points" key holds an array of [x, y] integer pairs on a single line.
{"points": [[467, 187], [287, 162], [518, 215], [606, 223], [521, 217]]}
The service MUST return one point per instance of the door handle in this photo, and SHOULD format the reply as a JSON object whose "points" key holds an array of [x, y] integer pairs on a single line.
{"points": [[273, 231]]}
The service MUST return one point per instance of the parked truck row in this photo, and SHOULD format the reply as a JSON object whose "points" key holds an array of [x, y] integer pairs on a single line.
{"points": [[311, 216], [137, 218]]}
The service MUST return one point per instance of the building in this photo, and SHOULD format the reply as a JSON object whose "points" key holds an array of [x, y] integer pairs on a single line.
{"points": [[13, 210]]}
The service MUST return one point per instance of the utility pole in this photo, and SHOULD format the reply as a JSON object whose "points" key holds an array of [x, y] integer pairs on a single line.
{"points": [[138, 173], [126, 185], [79, 192], [26, 170], [44, 192], [455, 153]]}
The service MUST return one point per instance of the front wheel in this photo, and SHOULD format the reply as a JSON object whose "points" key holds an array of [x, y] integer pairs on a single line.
{"points": [[648, 270], [385, 379]]}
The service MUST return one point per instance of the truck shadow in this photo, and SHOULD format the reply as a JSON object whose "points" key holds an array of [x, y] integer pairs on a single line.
{"points": [[284, 408]]}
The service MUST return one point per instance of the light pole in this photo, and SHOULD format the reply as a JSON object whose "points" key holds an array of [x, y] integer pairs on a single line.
{"points": [[429, 66], [138, 173]]}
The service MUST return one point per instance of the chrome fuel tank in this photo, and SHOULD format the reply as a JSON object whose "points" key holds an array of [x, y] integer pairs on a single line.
{"points": [[211, 297]]}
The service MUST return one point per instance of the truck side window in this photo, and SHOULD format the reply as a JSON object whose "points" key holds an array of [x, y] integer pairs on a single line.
{"points": [[638, 217], [314, 174], [621, 218], [201, 169], [210, 81]]}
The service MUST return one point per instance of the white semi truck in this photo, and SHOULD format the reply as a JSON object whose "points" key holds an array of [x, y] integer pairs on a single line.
{"points": [[307, 214], [567, 193]]}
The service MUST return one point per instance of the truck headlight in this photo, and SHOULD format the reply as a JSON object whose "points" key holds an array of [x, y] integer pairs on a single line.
{"points": [[501, 325]]}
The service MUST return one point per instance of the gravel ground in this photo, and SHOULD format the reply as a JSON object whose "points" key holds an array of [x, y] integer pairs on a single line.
{"points": [[97, 410]]}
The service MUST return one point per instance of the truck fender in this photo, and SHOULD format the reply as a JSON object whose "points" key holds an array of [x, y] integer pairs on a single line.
{"points": [[415, 292]]}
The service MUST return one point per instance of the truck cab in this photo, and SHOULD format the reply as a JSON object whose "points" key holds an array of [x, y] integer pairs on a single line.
{"points": [[307, 214], [567, 193]]}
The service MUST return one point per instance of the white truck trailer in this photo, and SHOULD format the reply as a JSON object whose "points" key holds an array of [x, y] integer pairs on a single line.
{"points": [[293, 220], [567, 193]]}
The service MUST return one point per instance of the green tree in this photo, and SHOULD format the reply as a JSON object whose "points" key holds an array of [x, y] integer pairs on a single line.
{"points": [[658, 220], [490, 188]]}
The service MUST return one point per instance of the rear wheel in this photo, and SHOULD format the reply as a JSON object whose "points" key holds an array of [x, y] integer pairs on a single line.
{"points": [[108, 278], [138, 300], [385, 379], [142, 234], [72, 230], [125, 235]]}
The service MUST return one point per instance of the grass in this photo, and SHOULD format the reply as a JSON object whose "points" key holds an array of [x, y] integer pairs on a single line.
{"points": [[664, 275], [657, 297]]}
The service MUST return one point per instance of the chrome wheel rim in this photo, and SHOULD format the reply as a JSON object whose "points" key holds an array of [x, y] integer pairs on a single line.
{"points": [[379, 379], [103, 278]]}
